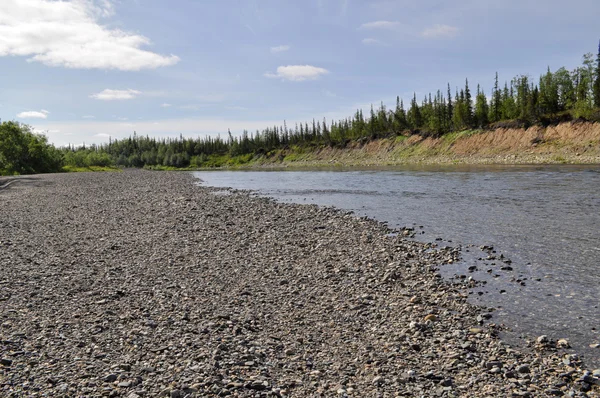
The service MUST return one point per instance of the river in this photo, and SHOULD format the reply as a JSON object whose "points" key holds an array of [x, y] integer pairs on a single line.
{"points": [[544, 219]]}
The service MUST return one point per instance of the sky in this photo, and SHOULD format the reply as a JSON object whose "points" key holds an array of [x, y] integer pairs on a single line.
{"points": [[81, 71]]}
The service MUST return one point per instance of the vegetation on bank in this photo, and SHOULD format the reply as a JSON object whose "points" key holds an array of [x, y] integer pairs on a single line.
{"points": [[24, 152], [556, 97]]}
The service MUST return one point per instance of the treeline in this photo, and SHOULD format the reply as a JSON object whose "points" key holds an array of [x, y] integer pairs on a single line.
{"points": [[556, 96]]}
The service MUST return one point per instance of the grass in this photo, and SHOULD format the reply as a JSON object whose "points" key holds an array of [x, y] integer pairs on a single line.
{"points": [[77, 169]]}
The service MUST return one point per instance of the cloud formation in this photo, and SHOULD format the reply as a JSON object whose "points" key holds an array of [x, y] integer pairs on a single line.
{"points": [[279, 49], [380, 25], [440, 32], [370, 41], [115, 95], [43, 114], [69, 34], [298, 73], [165, 105]]}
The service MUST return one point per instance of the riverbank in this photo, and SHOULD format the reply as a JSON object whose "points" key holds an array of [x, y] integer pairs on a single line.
{"points": [[140, 283], [566, 143]]}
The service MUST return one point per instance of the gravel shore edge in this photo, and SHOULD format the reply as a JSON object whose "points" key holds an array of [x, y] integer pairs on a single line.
{"points": [[143, 284]]}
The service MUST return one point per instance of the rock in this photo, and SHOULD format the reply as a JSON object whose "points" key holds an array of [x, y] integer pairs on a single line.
{"points": [[378, 380], [6, 362], [176, 394], [446, 383], [475, 330], [430, 318], [523, 369], [110, 378], [563, 343], [542, 339], [493, 364]]}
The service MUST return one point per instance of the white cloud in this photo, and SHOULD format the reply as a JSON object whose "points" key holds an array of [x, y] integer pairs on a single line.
{"points": [[440, 32], [102, 135], [280, 49], [165, 105], [115, 95], [328, 93], [370, 42], [88, 117], [69, 34], [380, 25], [43, 114], [298, 73]]}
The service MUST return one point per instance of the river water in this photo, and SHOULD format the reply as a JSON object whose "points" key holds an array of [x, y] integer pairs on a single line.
{"points": [[544, 219]]}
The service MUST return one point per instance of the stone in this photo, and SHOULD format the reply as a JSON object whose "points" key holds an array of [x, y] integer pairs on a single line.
{"points": [[563, 343], [176, 394], [542, 339], [523, 369]]}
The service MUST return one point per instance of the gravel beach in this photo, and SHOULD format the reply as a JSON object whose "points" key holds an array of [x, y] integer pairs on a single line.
{"points": [[144, 284]]}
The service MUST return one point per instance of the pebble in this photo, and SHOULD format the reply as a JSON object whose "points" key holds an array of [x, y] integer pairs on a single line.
{"points": [[115, 287]]}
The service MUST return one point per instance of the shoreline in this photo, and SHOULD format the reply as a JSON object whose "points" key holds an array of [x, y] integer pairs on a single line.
{"points": [[565, 143], [178, 290]]}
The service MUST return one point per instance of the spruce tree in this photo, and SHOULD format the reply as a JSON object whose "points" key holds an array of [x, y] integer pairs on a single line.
{"points": [[481, 109], [469, 105], [597, 80], [450, 108], [496, 100], [415, 120]]}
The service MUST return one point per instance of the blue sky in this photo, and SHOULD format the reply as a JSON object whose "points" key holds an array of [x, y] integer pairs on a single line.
{"points": [[84, 70]]}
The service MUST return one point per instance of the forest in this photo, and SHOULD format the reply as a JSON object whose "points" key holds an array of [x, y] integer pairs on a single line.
{"points": [[554, 97]]}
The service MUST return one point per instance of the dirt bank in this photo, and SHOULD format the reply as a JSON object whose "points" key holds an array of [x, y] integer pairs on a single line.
{"points": [[572, 142]]}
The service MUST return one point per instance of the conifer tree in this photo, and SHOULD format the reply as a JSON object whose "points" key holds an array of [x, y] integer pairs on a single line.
{"points": [[450, 108], [597, 80], [481, 109], [399, 116], [469, 105], [496, 101], [414, 117]]}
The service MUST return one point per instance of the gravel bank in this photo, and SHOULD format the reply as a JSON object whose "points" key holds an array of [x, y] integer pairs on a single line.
{"points": [[142, 284]]}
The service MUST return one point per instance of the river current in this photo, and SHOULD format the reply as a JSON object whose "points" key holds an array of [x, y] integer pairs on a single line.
{"points": [[545, 220]]}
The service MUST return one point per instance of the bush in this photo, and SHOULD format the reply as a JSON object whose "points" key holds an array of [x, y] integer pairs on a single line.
{"points": [[24, 152]]}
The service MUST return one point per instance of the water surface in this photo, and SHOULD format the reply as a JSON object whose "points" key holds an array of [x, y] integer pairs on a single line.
{"points": [[545, 219]]}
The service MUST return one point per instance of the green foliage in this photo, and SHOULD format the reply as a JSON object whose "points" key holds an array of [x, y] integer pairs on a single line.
{"points": [[24, 152], [481, 109], [557, 96], [597, 80]]}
